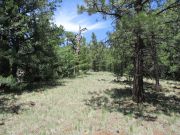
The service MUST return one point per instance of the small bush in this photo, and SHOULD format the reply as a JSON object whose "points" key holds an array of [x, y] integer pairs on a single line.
{"points": [[7, 82]]}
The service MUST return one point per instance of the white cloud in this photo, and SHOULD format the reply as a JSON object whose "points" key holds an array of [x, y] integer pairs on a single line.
{"points": [[71, 21]]}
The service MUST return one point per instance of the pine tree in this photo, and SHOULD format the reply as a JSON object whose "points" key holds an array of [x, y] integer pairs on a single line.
{"points": [[28, 40], [134, 11]]}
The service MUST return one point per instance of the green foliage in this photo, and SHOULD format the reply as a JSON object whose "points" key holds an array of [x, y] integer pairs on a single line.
{"points": [[137, 21], [100, 55], [28, 41], [33, 49], [8, 82], [84, 57], [67, 61]]}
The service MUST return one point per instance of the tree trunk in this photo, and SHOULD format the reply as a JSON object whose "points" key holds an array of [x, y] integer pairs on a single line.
{"points": [[155, 62], [156, 69], [121, 69], [14, 69], [138, 92], [16, 43]]}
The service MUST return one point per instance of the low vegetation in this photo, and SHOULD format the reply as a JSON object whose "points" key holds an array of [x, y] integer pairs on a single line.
{"points": [[53, 81], [92, 104]]}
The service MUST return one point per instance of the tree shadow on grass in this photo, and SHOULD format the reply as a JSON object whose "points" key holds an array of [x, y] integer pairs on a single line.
{"points": [[41, 86], [9, 105], [119, 100], [32, 87], [123, 82], [9, 99]]}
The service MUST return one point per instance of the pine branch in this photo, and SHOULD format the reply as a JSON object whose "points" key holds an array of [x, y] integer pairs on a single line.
{"points": [[173, 5]]}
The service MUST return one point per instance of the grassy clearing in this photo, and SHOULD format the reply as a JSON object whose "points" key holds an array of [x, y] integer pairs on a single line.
{"points": [[91, 105]]}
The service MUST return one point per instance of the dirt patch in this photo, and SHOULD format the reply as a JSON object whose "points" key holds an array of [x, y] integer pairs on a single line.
{"points": [[102, 133], [158, 132]]}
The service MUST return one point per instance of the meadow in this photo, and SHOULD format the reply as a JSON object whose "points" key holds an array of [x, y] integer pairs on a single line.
{"points": [[91, 104]]}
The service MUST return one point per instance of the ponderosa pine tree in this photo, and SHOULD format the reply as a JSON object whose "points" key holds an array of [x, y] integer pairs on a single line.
{"points": [[133, 10], [94, 52], [169, 53], [120, 47], [28, 39], [84, 56], [100, 55]]}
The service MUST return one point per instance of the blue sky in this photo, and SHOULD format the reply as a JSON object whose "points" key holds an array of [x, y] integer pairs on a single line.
{"points": [[68, 17]]}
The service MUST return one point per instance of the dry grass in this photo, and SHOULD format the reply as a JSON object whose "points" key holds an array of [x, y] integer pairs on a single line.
{"points": [[91, 105]]}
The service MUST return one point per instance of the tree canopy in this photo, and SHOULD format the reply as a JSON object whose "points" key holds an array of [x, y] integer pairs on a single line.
{"points": [[144, 43]]}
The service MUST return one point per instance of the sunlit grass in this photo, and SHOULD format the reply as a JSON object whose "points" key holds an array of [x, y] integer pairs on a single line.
{"points": [[62, 110]]}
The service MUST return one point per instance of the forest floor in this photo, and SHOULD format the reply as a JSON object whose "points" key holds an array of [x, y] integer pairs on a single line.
{"points": [[91, 104]]}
